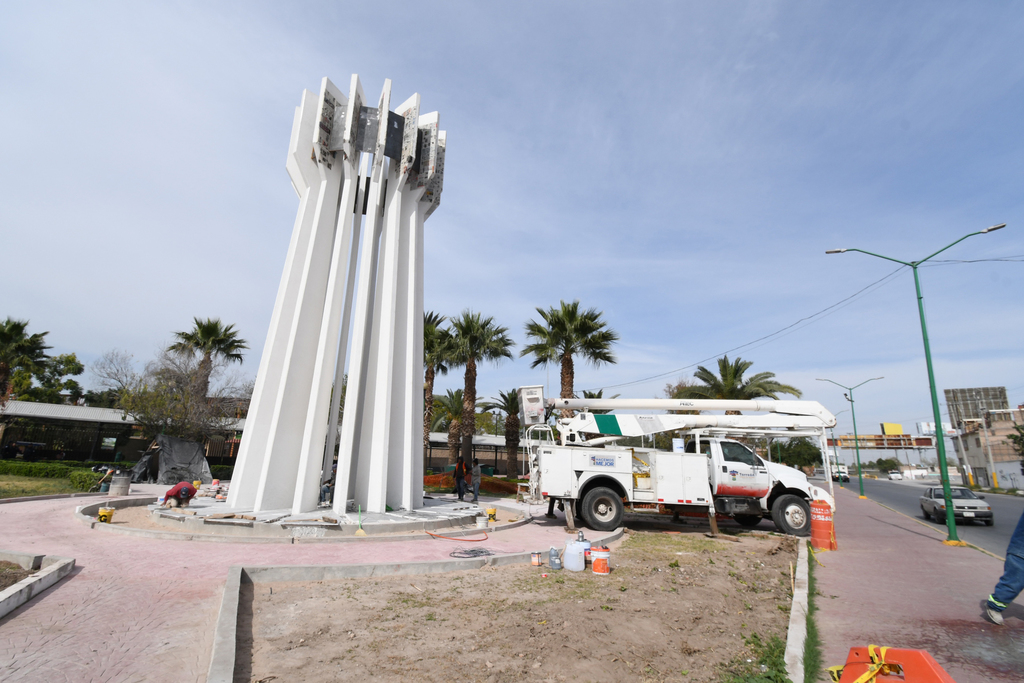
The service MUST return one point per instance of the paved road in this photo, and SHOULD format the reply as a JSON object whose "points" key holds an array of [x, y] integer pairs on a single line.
{"points": [[903, 496]]}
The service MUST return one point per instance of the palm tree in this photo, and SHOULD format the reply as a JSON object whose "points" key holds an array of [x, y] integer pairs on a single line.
{"points": [[475, 338], [19, 350], [211, 338], [436, 349], [730, 385], [508, 403], [447, 416], [568, 332]]}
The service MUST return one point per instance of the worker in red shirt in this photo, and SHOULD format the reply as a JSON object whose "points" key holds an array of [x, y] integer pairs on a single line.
{"points": [[180, 495]]}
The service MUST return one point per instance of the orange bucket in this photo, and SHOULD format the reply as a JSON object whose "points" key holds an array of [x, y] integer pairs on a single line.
{"points": [[599, 556], [823, 534]]}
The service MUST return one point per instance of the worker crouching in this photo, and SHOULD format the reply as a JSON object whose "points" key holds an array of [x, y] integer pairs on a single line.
{"points": [[180, 495]]}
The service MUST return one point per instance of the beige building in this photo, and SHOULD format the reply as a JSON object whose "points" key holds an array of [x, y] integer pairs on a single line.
{"points": [[979, 436]]}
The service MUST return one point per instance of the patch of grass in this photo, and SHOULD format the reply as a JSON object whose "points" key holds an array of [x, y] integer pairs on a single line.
{"points": [[812, 646], [12, 486], [11, 573], [647, 546], [768, 663]]}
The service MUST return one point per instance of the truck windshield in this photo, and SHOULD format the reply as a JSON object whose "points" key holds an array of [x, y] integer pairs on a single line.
{"points": [[737, 452]]}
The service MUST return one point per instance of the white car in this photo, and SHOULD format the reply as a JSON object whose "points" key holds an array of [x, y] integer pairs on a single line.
{"points": [[895, 476]]}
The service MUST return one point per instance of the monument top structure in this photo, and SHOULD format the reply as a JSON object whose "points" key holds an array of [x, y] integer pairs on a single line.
{"points": [[347, 277]]}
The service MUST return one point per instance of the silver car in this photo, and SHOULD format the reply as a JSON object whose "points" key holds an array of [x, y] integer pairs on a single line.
{"points": [[967, 505]]}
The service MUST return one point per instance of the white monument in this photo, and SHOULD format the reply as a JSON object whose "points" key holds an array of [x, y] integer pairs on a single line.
{"points": [[367, 178]]}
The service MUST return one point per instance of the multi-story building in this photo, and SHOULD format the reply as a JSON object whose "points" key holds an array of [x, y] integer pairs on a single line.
{"points": [[989, 434]]}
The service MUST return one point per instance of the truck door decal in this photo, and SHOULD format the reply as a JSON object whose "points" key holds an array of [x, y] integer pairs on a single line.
{"points": [[602, 461], [745, 474]]}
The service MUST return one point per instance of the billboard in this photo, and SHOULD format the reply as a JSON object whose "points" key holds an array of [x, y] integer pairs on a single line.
{"points": [[928, 429], [891, 428], [971, 404]]}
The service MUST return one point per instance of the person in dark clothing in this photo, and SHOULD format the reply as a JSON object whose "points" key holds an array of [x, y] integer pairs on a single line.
{"points": [[460, 478], [1012, 582]]}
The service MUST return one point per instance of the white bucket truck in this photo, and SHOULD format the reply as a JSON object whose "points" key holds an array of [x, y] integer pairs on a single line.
{"points": [[711, 470]]}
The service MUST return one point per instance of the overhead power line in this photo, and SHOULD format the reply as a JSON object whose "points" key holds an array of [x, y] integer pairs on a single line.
{"points": [[791, 327]]}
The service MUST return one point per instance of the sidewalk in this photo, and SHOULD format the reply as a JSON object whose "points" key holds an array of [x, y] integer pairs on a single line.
{"points": [[892, 582], [140, 609]]}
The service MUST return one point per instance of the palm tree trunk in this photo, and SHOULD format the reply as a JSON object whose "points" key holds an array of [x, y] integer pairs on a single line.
{"points": [[568, 379], [453, 441], [428, 406], [205, 369], [468, 418], [512, 446]]}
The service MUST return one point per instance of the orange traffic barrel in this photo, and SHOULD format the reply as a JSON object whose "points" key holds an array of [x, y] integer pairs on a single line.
{"points": [[823, 533], [874, 663]]}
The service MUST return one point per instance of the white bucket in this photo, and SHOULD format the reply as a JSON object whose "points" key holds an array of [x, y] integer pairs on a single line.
{"points": [[481, 522], [573, 560]]}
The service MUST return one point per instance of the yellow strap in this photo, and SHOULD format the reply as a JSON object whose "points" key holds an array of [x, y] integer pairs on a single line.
{"points": [[877, 655]]}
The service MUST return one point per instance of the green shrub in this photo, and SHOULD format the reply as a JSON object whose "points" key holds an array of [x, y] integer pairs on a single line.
{"points": [[34, 469], [83, 480], [222, 472]]}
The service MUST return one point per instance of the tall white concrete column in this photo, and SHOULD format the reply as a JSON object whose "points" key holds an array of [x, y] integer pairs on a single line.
{"points": [[345, 277]]}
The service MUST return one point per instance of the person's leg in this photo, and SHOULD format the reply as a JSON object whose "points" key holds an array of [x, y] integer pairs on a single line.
{"points": [[460, 484], [1010, 584], [476, 492]]}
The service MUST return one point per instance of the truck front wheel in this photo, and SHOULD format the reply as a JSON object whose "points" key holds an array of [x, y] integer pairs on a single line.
{"points": [[602, 509], [792, 515]]}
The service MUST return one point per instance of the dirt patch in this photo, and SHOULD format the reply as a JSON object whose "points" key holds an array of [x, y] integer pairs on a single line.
{"points": [[675, 607], [138, 517], [11, 573]]}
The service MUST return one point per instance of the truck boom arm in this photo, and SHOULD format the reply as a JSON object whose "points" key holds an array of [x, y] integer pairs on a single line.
{"points": [[811, 409]]}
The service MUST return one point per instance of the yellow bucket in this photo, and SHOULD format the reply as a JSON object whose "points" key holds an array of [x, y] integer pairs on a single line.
{"points": [[106, 515], [197, 484], [492, 514]]}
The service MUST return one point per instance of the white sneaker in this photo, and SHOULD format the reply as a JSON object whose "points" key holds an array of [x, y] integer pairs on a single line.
{"points": [[994, 616]]}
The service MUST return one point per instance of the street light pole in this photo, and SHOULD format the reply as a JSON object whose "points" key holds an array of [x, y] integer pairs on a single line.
{"points": [[940, 443], [853, 414]]}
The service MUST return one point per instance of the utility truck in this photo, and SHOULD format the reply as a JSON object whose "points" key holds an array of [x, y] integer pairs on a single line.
{"points": [[710, 468]]}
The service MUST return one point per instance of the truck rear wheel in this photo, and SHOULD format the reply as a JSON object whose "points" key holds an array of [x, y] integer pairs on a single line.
{"points": [[792, 515], [602, 509]]}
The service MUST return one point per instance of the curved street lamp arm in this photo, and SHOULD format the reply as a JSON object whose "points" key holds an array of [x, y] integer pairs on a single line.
{"points": [[980, 232]]}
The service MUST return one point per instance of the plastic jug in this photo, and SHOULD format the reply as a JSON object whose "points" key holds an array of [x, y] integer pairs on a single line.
{"points": [[553, 558], [573, 557]]}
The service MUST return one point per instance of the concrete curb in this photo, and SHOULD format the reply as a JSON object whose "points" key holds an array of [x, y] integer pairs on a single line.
{"points": [[86, 514], [797, 633], [52, 569], [225, 638], [52, 496]]}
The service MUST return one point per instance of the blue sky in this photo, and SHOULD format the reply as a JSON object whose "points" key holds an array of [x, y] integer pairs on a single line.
{"points": [[680, 166]]}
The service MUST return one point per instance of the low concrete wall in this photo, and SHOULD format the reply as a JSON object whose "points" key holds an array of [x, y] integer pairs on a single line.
{"points": [[51, 570], [193, 528], [797, 633], [54, 496]]}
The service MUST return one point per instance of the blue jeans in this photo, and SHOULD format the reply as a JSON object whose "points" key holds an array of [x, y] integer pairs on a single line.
{"points": [[476, 491], [460, 484], [325, 493], [1012, 582]]}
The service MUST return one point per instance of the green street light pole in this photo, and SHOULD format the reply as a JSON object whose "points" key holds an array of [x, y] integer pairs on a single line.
{"points": [[856, 439], [940, 445]]}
